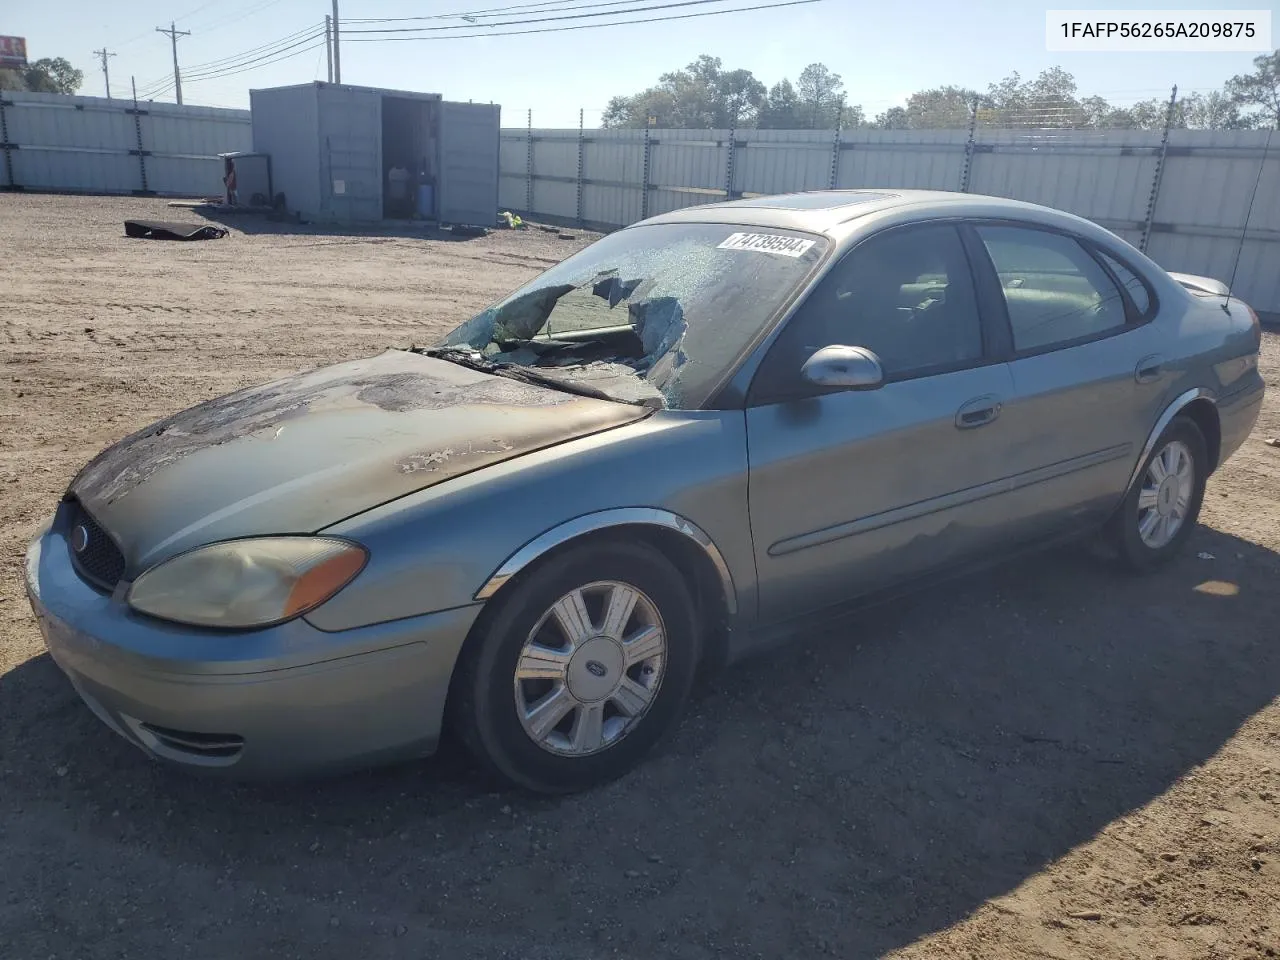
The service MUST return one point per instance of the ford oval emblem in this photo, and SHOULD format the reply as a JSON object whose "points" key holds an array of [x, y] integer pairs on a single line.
{"points": [[596, 668], [79, 538]]}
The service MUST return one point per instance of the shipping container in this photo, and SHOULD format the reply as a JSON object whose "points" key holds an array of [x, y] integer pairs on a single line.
{"points": [[347, 154]]}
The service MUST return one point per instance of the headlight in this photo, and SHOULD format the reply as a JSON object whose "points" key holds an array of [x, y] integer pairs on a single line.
{"points": [[247, 583]]}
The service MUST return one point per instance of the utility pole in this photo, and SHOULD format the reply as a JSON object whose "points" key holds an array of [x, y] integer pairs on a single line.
{"points": [[328, 44], [173, 33], [337, 50], [106, 76]]}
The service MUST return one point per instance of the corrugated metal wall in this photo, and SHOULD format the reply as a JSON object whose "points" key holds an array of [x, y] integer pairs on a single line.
{"points": [[286, 127], [95, 145], [610, 178]]}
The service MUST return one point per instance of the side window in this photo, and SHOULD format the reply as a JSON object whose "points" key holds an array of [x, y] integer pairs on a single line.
{"points": [[1138, 292], [1056, 292], [906, 294]]}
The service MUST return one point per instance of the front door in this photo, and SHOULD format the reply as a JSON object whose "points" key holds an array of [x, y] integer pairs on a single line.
{"points": [[854, 489]]}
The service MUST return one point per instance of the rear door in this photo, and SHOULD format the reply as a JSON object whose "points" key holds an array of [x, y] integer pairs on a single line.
{"points": [[1088, 376], [469, 141], [851, 490]]}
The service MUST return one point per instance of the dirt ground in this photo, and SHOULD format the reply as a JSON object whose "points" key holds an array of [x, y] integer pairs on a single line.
{"points": [[1051, 761]]}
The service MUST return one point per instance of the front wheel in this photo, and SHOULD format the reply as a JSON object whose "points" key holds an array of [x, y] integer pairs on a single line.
{"points": [[578, 671], [1160, 512]]}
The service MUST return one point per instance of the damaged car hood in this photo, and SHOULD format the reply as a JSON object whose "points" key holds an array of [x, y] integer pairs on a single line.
{"points": [[301, 453]]}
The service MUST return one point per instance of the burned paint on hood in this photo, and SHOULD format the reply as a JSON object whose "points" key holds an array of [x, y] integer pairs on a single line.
{"points": [[298, 454]]}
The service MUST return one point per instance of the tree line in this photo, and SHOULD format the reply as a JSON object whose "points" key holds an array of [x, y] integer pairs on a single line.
{"points": [[50, 75], [704, 95]]}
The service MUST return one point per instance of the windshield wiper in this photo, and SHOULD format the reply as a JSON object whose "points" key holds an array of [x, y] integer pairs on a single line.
{"points": [[530, 376], [636, 392], [463, 356]]}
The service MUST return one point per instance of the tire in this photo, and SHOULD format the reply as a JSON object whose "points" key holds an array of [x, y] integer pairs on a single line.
{"points": [[490, 708], [1181, 439]]}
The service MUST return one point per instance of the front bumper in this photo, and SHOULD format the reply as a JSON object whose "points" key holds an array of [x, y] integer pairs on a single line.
{"points": [[285, 701]]}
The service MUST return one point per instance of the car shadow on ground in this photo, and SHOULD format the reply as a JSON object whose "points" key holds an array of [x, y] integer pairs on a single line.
{"points": [[847, 794]]}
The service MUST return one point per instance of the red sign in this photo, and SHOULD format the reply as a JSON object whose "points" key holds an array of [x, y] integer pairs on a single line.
{"points": [[13, 53]]}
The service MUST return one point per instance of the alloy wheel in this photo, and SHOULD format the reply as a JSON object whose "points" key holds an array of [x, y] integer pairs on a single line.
{"points": [[1165, 496], [590, 668]]}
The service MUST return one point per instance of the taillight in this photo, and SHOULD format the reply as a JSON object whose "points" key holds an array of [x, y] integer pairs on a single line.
{"points": [[1257, 324]]}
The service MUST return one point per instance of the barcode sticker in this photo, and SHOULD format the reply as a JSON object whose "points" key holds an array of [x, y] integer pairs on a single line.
{"points": [[767, 243]]}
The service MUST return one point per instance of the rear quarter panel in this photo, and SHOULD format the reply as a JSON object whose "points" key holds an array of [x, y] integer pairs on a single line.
{"points": [[1213, 345]]}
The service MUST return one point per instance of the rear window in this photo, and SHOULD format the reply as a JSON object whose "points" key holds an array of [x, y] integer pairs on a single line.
{"points": [[1132, 283]]}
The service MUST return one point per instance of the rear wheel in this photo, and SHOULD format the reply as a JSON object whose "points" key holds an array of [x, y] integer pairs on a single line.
{"points": [[580, 669], [1160, 512]]}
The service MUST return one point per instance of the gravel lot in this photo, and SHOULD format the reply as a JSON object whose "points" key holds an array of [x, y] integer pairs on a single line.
{"points": [[1050, 761]]}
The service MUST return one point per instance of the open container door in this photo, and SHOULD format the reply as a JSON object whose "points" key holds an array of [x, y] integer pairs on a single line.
{"points": [[469, 139]]}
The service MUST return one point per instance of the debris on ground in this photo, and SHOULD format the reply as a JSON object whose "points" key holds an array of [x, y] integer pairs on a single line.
{"points": [[1206, 555], [1272, 441], [168, 230], [1085, 915]]}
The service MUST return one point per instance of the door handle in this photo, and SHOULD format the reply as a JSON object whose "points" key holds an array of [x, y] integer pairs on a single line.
{"points": [[1149, 369], [978, 412]]}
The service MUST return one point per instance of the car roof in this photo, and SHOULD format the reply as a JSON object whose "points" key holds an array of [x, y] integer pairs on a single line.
{"points": [[824, 211]]}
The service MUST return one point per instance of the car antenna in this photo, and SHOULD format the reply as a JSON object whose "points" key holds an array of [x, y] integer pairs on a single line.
{"points": [[1266, 147]]}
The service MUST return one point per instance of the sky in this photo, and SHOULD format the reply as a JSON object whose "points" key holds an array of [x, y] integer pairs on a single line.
{"points": [[882, 50]]}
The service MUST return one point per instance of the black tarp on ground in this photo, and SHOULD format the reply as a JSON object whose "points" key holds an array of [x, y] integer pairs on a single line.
{"points": [[161, 230]]}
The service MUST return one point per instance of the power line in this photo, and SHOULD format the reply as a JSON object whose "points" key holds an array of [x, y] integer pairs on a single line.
{"points": [[265, 49], [590, 26], [568, 16], [191, 13], [236, 17], [548, 6], [275, 46], [263, 62]]}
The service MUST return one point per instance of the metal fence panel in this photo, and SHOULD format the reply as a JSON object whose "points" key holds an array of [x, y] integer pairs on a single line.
{"points": [[1102, 176], [1208, 180], [556, 198], [196, 131], [90, 171], [49, 123], [781, 161], [686, 168], [190, 176], [95, 145], [619, 159], [1207, 192], [915, 159]]}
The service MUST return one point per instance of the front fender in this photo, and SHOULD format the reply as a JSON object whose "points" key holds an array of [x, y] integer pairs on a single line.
{"points": [[454, 544], [605, 519]]}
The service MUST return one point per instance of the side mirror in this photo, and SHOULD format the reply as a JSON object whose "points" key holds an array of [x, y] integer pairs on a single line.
{"points": [[839, 366]]}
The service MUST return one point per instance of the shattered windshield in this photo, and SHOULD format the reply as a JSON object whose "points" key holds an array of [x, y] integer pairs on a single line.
{"points": [[654, 314]]}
